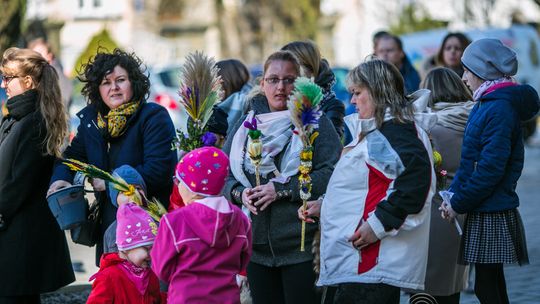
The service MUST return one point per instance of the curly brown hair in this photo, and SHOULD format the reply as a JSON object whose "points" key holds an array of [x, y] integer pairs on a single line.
{"points": [[103, 64]]}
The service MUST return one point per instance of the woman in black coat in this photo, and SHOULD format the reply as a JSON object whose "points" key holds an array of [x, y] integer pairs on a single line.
{"points": [[34, 256]]}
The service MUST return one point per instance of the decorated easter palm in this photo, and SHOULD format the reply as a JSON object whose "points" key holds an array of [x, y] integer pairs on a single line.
{"points": [[254, 147], [304, 106], [200, 90], [154, 208]]}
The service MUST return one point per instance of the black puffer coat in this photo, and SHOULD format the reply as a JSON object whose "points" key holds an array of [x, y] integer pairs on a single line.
{"points": [[330, 105]]}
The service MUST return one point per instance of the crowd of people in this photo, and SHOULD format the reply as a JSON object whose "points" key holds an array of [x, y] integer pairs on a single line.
{"points": [[389, 184]]}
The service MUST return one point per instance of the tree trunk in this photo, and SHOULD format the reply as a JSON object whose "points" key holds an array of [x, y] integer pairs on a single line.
{"points": [[11, 18]]}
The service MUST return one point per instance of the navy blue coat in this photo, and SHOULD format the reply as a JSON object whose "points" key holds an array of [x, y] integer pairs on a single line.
{"points": [[146, 146], [493, 152], [410, 76]]}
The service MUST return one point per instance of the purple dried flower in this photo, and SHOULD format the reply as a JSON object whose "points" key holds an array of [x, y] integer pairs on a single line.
{"points": [[251, 125], [209, 139]]}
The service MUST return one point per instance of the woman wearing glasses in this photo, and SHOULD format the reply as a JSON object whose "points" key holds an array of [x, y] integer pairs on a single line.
{"points": [[34, 256], [278, 272]]}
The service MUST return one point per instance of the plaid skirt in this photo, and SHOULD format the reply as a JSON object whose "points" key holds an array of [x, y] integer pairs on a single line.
{"points": [[494, 238]]}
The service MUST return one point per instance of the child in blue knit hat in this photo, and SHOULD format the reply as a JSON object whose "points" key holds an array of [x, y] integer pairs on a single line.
{"points": [[131, 176]]}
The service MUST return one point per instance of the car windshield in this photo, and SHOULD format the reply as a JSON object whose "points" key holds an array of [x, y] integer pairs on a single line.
{"points": [[170, 77]]}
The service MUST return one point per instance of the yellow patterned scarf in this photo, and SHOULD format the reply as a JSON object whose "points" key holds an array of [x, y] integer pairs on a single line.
{"points": [[115, 121]]}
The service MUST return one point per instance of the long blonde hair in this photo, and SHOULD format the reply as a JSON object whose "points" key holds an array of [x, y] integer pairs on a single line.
{"points": [[386, 88], [308, 55], [45, 79]]}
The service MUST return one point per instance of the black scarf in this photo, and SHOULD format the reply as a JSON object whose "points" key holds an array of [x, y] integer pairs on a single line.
{"points": [[18, 107], [23, 104]]}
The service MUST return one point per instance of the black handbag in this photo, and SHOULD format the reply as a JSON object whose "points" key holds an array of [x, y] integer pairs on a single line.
{"points": [[87, 233]]}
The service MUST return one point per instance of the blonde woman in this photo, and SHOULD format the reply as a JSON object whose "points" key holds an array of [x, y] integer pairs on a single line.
{"points": [[375, 214], [34, 255]]}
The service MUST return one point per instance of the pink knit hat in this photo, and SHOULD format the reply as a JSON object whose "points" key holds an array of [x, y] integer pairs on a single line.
{"points": [[203, 170], [135, 228]]}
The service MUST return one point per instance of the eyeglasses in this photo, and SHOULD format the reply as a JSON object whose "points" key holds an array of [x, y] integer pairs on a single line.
{"points": [[275, 80], [7, 79]]}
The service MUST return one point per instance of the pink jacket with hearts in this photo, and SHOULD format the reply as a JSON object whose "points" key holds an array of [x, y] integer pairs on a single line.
{"points": [[199, 250]]}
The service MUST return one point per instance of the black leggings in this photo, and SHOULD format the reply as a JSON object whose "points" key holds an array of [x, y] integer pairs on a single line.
{"points": [[287, 284], [352, 293], [490, 285]]}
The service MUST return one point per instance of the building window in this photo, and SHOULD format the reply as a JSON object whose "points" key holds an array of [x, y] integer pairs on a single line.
{"points": [[98, 9], [139, 5]]}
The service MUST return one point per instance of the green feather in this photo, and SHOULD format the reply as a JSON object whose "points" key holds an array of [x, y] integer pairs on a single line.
{"points": [[305, 87]]}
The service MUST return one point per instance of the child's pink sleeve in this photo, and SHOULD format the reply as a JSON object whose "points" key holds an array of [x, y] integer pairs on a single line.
{"points": [[164, 252], [102, 293], [246, 250]]}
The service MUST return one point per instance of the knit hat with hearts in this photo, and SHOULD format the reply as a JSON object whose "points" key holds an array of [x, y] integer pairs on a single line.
{"points": [[203, 171], [135, 228]]}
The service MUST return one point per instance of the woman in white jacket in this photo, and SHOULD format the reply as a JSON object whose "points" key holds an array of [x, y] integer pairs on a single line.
{"points": [[375, 215]]}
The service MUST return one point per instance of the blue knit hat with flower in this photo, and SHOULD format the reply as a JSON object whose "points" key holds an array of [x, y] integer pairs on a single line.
{"points": [[131, 176]]}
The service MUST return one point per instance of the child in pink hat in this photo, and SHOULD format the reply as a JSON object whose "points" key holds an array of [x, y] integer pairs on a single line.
{"points": [[126, 276], [201, 247]]}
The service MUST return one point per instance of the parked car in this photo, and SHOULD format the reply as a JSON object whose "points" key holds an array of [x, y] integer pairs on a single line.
{"points": [[164, 84]]}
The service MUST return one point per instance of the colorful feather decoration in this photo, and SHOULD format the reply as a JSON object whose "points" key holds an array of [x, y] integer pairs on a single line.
{"points": [[200, 90], [154, 208], [304, 107]]}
